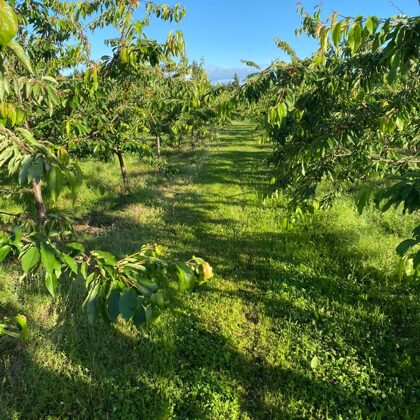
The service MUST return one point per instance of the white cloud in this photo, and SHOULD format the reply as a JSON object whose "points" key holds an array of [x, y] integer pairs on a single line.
{"points": [[219, 74]]}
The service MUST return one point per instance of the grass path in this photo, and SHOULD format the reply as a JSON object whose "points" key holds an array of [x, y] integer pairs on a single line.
{"points": [[310, 323]]}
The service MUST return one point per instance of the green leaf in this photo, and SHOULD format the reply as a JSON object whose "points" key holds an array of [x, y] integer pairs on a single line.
{"points": [[8, 23], [363, 199], [140, 317], [23, 173], [395, 63], [158, 299], [48, 259], [151, 314], [372, 23], [128, 303], [6, 155], [281, 110], [205, 272], [399, 122], [323, 38], [20, 54], [88, 278], [27, 135], [55, 182], [416, 260], [404, 246], [76, 246], [272, 115], [36, 169], [11, 114], [71, 263], [113, 303], [52, 95], [71, 181], [30, 259], [17, 235], [20, 116], [51, 283], [144, 290], [355, 37], [28, 89], [83, 269], [105, 256], [78, 173], [135, 267], [93, 304], [152, 286], [186, 277], [23, 326], [4, 252], [336, 33]]}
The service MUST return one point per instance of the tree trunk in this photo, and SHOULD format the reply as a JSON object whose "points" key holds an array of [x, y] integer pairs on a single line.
{"points": [[158, 147], [39, 201], [122, 167]]}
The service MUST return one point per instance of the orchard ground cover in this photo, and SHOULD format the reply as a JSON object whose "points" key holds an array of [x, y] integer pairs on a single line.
{"points": [[311, 322]]}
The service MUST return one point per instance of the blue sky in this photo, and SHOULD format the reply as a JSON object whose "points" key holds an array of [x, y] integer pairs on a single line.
{"points": [[223, 32]]}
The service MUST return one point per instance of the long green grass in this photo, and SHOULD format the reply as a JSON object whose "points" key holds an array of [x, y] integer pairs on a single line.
{"points": [[307, 323]]}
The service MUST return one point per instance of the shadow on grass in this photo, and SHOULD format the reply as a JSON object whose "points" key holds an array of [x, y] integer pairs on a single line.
{"points": [[344, 298], [181, 369], [209, 363], [84, 371], [83, 387]]}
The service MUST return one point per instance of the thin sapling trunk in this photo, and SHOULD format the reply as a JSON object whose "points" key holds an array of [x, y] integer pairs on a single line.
{"points": [[122, 167], [39, 201]]}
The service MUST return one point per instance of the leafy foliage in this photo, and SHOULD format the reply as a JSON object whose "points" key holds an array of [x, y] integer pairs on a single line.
{"points": [[348, 114], [44, 114], [137, 286]]}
